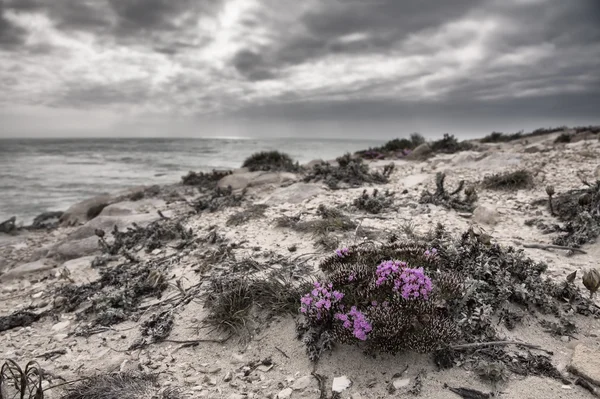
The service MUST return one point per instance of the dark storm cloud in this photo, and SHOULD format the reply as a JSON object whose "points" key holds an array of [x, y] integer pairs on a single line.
{"points": [[251, 65], [10, 34]]}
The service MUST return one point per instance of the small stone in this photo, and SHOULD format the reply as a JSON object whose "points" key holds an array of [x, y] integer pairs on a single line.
{"points": [[37, 295], [401, 383], [285, 394], [564, 338], [586, 363], [340, 384], [228, 377], [302, 383], [60, 337], [61, 326], [265, 368], [209, 380]]}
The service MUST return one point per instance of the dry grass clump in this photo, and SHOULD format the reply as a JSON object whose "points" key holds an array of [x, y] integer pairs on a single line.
{"points": [[120, 385], [509, 181], [272, 161], [395, 147], [374, 203], [253, 212]]}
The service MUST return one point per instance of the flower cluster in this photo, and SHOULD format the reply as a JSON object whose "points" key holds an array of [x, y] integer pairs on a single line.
{"points": [[320, 300], [430, 253], [356, 321], [411, 283], [342, 252], [388, 269]]}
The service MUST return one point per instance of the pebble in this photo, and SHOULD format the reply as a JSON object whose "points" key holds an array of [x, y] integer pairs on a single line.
{"points": [[340, 384], [401, 383], [61, 326], [285, 394], [302, 383], [228, 377]]}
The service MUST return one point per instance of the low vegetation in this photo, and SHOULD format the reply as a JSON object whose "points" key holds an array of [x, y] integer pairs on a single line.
{"points": [[375, 203], [450, 199], [449, 145], [271, 161], [395, 147], [202, 180], [509, 181], [432, 293], [349, 172], [253, 212]]}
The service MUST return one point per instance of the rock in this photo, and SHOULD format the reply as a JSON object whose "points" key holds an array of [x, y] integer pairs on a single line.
{"points": [[294, 194], [87, 210], [285, 394], [72, 249], [401, 383], [302, 383], [47, 220], [276, 178], [133, 207], [485, 215], [532, 149], [61, 326], [420, 152], [8, 226], [28, 268], [107, 224], [238, 181], [586, 363], [80, 269], [340, 384], [228, 377]]}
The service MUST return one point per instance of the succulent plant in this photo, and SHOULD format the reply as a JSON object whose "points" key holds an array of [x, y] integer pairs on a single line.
{"points": [[591, 280]]}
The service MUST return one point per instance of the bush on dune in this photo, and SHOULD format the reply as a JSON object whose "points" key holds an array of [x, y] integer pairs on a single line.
{"points": [[271, 161]]}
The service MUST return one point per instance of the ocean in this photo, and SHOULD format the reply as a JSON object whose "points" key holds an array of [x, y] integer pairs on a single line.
{"points": [[38, 175]]}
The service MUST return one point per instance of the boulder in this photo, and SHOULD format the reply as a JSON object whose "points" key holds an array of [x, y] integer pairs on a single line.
{"points": [[72, 249], [108, 223], [294, 194], [87, 210], [132, 207], [420, 152], [238, 181], [586, 363], [9, 225], [47, 220], [28, 268], [276, 178]]}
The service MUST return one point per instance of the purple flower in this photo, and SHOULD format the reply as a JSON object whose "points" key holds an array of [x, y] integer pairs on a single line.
{"points": [[351, 277]]}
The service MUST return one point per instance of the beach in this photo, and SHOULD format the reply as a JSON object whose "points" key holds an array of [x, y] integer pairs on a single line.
{"points": [[249, 223]]}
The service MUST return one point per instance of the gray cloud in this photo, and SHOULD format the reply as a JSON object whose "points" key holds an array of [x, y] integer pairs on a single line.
{"points": [[334, 61]]}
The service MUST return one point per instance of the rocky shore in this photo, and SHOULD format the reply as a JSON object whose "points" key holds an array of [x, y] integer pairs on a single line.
{"points": [[134, 281]]}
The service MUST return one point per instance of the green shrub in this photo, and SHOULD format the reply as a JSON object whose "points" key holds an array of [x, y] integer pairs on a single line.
{"points": [[273, 161]]}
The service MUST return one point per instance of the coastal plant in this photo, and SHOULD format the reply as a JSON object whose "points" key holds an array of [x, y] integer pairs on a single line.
{"points": [[218, 199], [429, 292], [579, 212], [374, 203], [399, 147], [453, 199], [449, 145], [271, 161], [204, 180], [349, 172], [508, 181], [497, 137], [120, 385], [563, 138]]}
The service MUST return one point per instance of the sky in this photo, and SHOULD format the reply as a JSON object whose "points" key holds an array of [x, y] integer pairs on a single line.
{"points": [[309, 68]]}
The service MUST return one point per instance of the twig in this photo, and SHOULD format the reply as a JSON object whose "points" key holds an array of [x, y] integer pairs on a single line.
{"points": [[283, 353], [51, 354], [490, 343], [322, 381], [583, 382], [544, 246], [196, 342]]}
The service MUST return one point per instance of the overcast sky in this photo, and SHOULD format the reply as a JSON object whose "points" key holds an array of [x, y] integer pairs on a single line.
{"points": [[323, 68]]}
